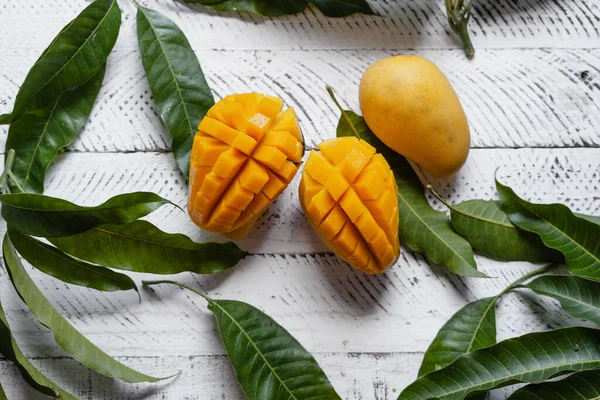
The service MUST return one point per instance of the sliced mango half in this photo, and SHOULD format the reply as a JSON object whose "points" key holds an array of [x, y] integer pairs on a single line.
{"points": [[246, 152], [349, 195]]}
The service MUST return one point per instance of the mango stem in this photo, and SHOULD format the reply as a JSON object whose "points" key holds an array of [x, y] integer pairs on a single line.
{"points": [[459, 14], [8, 165]]}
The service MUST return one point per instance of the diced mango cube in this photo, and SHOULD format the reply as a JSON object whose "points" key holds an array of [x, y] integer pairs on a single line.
{"points": [[285, 142], [249, 101], [218, 130], [386, 203], [367, 226], [360, 255], [269, 156], [347, 240], [287, 171], [369, 184], [320, 206], [309, 186], [244, 143], [356, 159], [318, 167], [333, 222], [336, 185], [208, 150], [253, 176], [259, 203], [352, 205], [274, 187], [288, 121], [334, 150], [258, 126], [233, 114], [229, 163], [238, 197], [270, 106]]}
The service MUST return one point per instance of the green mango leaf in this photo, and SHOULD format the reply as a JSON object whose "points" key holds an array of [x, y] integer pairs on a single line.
{"points": [[270, 364], [277, 8], [577, 238], [471, 328], [40, 134], [580, 386], [11, 351], [422, 228], [531, 358], [61, 266], [487, 227], [142, 247], [5, 119], [591, 218], [44, 216], [75, 56], [67, 337], [180, 90], [580, 298], [2, 394]]}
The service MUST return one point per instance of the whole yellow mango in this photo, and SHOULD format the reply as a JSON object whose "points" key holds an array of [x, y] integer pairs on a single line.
{"points": [[349, 195], [411, 106]]}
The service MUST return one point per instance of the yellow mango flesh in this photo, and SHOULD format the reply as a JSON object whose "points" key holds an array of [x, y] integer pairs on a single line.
{"points": [[246, 152], [349, 195], [411, 106]]}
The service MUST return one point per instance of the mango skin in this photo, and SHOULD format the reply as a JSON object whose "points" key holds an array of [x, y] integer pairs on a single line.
{"points": [[410, 105]]}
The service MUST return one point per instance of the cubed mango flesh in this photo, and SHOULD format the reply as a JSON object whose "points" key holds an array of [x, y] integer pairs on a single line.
{"points": [[349, 195], [246, 152]]}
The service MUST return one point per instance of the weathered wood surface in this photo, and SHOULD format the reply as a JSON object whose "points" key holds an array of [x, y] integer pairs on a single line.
{"points": [[533, 100], [403, 24], [513, 97]]}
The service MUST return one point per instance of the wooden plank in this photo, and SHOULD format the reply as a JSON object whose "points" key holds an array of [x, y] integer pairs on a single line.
{"points": [[328, 307], [405, 24], [513, 98], [552, 175], [371, 376], [323, 303]]}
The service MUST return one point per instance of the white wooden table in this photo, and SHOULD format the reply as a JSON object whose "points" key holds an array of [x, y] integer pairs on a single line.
{"points": [[532, 95]]}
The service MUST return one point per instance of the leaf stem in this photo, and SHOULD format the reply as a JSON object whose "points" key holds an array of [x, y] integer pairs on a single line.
{"points": [[344, 114], [459, 15], [525, 277], [332, 95], [15, 181], [8, 165], [150, 283], [437, 196]]}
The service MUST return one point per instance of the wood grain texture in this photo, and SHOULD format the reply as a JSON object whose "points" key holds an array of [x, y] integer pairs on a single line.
{"points": [[406, 24], [355, 376], [513, 98], [326, 305]]}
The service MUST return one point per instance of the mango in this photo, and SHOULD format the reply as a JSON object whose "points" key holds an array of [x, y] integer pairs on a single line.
{"points": [[245, 153], [411, 107], [349, 195]]}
